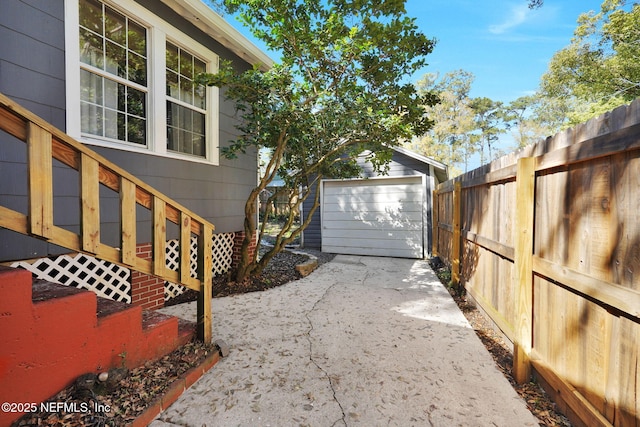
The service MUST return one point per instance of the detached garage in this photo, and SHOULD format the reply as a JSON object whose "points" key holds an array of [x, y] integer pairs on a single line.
{"points": [[378, 215]]}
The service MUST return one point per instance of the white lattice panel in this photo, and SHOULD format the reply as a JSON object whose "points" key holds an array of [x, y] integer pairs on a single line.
{"points": [[222, 254], [107, 280], [222, 250]]}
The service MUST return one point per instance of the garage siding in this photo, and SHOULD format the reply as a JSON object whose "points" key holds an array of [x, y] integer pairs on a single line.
{"points": [[380, 217]]}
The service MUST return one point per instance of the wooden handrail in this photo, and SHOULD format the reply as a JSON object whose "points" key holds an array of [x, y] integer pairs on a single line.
{"points": [[45, 143]]}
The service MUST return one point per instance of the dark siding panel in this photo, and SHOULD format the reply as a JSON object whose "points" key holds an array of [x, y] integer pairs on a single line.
{"points": [[32, 73], [312, 234], [32, 55]]}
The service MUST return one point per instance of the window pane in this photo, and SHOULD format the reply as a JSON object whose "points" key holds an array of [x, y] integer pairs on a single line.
{"points": [[116, 60], [186, 142], [91, 87], [136, 130], [137, 39], [111, 95], [111, 124], [172, 57], [172, 85], [172, 139], [186, 90], [122, 127], [199, 67], [198, 145], [186, 64], [122, 98], [91, 48], [115, 26], [91, 15], [198, 123], [199, 97], [136, 102], [91, 121], [137, 71]]}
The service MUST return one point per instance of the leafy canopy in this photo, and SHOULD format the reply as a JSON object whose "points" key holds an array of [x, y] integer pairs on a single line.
{"points": [[600, 67], [341, 87]]}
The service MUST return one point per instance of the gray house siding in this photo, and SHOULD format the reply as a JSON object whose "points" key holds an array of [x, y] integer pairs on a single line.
{"points": [[401, 165], [32, 72]]}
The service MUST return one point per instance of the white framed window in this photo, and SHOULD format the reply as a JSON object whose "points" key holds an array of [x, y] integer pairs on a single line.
{"points": [[130, 82], [186, 102]]}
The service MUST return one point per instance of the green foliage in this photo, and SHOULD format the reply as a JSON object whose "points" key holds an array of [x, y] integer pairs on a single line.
{"points": [[490, 120], [340, 89], [449, 140], [600, 68], [534, 117]]}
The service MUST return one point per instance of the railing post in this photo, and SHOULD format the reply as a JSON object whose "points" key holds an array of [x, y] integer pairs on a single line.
{"points": [[159, 236], [90, 212], [205, 275], [185, 247], [128, 222], [523, 267], [456, 243], [39, 149]]}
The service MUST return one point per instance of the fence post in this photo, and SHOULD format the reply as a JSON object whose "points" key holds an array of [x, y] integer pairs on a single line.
{"points": [[455, 244], [523, 260], [434, 223]]}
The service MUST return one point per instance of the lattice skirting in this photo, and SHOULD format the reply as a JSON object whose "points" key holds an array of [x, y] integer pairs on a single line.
{"points": [[222, 254], [107, 280], [113, 281]]}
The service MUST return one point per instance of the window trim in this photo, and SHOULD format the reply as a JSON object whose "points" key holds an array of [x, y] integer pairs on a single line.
{"points": [[158, 32]]}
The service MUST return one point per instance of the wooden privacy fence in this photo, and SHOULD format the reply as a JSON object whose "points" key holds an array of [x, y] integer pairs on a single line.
{"points": [[46, 143], [547, 242]]}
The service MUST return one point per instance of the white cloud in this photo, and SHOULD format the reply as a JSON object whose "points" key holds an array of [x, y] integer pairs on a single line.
{"points": [[517, 15]]}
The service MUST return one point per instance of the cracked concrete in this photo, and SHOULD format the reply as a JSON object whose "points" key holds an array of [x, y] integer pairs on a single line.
{"points": [[361, 341]]}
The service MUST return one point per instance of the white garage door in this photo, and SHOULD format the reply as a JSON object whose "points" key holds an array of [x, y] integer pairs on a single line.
{"points": [[377, 216]]}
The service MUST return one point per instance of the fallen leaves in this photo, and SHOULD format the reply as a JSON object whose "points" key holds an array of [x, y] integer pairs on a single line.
{"points": [[133, 395]]}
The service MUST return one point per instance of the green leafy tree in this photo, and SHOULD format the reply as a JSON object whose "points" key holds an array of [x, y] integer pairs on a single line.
{"points": [[534, 117], [340, 89], [491, 121], [448, 141], [599, 70]]}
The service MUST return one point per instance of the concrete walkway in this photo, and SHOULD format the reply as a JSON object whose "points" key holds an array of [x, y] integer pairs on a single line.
{"points": [[362, 341]]}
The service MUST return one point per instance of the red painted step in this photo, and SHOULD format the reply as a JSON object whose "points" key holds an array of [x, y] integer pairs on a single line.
{"points": [[50, 334]]}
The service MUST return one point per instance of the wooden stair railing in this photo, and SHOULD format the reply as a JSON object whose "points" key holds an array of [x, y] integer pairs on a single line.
{"points": [[45, 143]]}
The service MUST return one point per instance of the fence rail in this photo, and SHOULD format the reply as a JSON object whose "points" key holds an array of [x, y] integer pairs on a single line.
{"points": [[46, 143], [547, 241]]}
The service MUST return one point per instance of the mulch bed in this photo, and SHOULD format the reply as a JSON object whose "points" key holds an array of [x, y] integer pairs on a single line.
{"points": [[537, 400], [140, 387], [119, 404]]}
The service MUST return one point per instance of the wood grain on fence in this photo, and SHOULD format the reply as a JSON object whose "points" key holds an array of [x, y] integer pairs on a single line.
{"points": [[549, 242]]}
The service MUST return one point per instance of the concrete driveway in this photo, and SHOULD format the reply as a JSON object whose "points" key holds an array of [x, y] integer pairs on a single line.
{"points": [[363, 341]]}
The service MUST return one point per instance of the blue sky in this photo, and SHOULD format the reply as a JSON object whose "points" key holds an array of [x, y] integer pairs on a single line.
{"points": [[506, 45], [503, 43]]}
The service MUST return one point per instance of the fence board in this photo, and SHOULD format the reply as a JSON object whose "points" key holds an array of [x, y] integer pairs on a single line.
{"points": [[579, 291]]}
